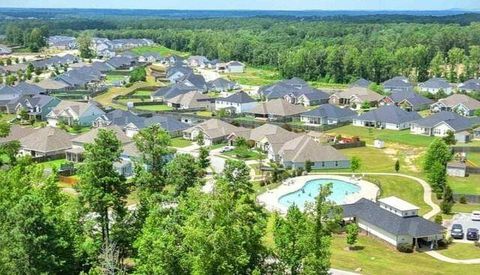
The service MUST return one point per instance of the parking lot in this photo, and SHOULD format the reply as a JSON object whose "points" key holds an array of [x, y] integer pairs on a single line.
{"points": [[465, 219]]}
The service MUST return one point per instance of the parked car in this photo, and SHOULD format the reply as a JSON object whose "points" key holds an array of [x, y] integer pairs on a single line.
{"points": [[476, 216], [226, 149], [457, 231], [472, 234]]}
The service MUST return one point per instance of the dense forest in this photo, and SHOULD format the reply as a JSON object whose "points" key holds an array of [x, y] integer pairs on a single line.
{"points": [[326, 50]]}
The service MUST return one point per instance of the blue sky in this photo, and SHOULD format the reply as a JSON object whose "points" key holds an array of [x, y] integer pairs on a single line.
{"points": [[251, 4]]}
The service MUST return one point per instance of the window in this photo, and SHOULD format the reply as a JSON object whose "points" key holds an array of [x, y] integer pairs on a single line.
{"points": [[336, 163]]}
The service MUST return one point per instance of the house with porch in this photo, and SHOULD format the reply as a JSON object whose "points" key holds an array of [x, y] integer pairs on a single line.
{"points": [[237, 103], [72, 112], [408, 101], [354, 97], [459, 103], [435, 85], [213, 130], [277, 109], [394, 221], [38, 106], [327, 114], [387, 117], [47, 142], [440, 124]]}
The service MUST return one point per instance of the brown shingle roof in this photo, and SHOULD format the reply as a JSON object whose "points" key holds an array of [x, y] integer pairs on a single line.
{"points": [[47, 139], [278, 107]]}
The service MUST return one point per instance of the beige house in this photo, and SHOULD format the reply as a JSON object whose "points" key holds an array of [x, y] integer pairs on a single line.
{"points": [[193, 100], [354, 97], [277, 109], [213, 130], [45, 142]]}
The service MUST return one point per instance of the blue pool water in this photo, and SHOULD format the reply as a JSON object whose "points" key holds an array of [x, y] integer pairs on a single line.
{"points": [[307, 194]]}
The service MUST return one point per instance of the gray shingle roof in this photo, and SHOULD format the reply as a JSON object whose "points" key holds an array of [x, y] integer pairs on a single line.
{"points": [[397, 82], [330, 111], [173, 91], [282, 88], [170, 124], [471, 85], [240, 98], [389, 114], [412, 97], [362, 82], [454, 120], [220, 84], [372, 213], [29, 89], [436, 83]]}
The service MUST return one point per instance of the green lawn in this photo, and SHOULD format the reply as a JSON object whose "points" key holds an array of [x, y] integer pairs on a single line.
{"points": [[180, 142], [54, 163], [205, 113], [125, 100], [250, 154], [474, 158], [216, 146], [468, 185], [154, 108], [404, 188], [158, 49], [114, 78], [255, 76], [373, 159], [389, 136], [461, 251], [145, 93], [376, 257]]}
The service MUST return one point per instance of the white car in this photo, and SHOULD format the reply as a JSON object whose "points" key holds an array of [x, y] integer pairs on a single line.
{"points": [[226, 149], [476, 216]]}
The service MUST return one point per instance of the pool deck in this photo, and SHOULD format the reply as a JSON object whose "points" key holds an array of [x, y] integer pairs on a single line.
{"points": [[270, 198]]}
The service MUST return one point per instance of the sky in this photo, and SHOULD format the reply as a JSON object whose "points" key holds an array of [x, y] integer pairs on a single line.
{"points": [[250, 4]]}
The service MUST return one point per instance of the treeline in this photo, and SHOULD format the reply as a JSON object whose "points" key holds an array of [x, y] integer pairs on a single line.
{"points": [[32, 38], [169, 227], [327, 50]]}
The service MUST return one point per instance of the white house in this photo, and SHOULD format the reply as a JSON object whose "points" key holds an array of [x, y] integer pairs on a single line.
{"points": [[235, 67], [238, 103], [435, 85], [386, 117], [70, 113], [440, 124]]}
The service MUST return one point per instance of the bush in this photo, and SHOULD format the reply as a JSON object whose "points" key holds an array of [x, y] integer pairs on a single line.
{"points": [[405, 248], [477, 244], [438, 219], [463, 200]]}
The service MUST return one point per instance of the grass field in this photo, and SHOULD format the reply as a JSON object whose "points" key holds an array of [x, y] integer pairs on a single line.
{"points": [[154, 108], [468, 185], [474, 158], [145, 93], [180, 142], [158, 49], [376, 257], [106, 98], [54, 163], [462, 251], [389, 136], [251, 155], [255, 76]]}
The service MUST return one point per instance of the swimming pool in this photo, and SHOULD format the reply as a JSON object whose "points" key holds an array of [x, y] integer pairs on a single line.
{"points": [[340, 190]]}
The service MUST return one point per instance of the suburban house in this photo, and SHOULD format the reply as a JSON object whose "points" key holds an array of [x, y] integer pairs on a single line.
{"points": [[458, 103], [387, 117], [192, 100], [61, 42], [82, 78], [221, 85], [102, 67], [409, 101], [116, 117], [237, 103], [327, 114], [122, 62], [312, 98], [440, 123], [71, 112], [277, 109], [354, 97], [213, 130], [52, 85], [361, 82], [4, 50], [165, 93], [38, 106], [28, 89], [295, 152], [232, 67], [282, 88], [197, 61], [472, 85], [150, 57], [177, 72], [394, 221], [45, 142], [268, 137], [476, 133], [170, 124], [435, 85], [8, 95], [397, 84], [196, 81]]}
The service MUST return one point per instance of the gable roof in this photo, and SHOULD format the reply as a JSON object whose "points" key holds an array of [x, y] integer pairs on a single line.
{"points": [[193, 99], [397, 82], [413, 98], [454, 120], [361, 82], [47, 139], [17, 132], [29, 89], [282, 88], [389, 114], [436, 83], [78, 107], [471, 84], [364, 94], [372, 213], [215, 128], [304, 148], [168, 123], [240, 98], [270, 130], [312, 94], [120, 117], [278, 107], [197, 80], [173, 90], [220, 83], [90, 136], [330, 111], [456, 99]]}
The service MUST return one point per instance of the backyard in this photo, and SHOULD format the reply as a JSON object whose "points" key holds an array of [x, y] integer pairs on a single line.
{"points": [[163, 51], [180, 142], [154, 108]]}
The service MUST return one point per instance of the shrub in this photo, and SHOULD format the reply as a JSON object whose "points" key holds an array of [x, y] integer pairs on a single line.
{"points": [[438, 219], [405, 248], [463, 200], [477, 244]]}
